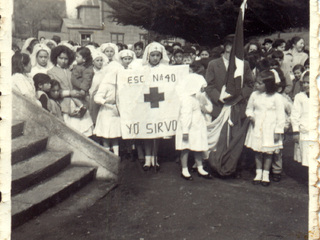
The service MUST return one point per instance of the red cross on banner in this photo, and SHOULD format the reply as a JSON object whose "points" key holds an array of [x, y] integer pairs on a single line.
{"points": [[154, 97]]}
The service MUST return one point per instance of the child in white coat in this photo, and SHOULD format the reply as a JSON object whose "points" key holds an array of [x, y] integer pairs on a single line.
{"points": [[191, 132], [108, 121], [300, 122]]}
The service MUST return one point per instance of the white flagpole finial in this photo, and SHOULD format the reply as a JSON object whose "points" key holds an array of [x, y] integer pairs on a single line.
{"points": [[243, 7]]}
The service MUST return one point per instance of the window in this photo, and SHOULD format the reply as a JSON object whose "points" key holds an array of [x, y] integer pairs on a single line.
{"points": [[117, 37], [85, 38]]}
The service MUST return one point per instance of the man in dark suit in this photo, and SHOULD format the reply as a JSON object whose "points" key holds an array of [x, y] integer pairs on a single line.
{"points": [[216, 78]]}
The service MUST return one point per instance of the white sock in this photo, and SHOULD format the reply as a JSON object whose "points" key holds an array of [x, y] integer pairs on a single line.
{"points": [[185, 172], [202, 171], [265, 176], [148, 161], [258, 175]]}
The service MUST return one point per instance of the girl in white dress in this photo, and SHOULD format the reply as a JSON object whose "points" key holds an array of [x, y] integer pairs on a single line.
{"points": [[40, 59], [98, 61], [111, 51], [108, 121], [155, 55], [266, 111], [300, 122], [21, 82], [191, 134]]}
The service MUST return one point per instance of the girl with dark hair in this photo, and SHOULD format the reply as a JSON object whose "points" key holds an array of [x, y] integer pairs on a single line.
{"points": [[81, 79], [294, 54], [265, 110], [21, 67], [279, 44], [62, 57], [54, 98], [204, 53]]}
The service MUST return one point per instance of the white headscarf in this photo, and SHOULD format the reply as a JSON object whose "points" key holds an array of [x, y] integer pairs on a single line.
{"points": [[37, 48], [46, 41], [127, 53], [155, 47], [114, 47], [192, 84], [95, 53], [26, 45]]}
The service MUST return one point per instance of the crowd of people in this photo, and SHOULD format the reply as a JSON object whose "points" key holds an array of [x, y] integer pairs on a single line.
{"points": [[77, 84]]}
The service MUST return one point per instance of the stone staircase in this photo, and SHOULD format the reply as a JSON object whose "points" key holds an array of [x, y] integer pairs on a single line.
{"points": [[41, 177]]}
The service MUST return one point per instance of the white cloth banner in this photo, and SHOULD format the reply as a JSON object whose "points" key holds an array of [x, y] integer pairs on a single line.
{"points": [[148, 101]]}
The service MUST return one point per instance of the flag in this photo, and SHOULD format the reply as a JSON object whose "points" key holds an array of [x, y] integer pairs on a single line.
{"points": [[226, 134], [234, 76]]}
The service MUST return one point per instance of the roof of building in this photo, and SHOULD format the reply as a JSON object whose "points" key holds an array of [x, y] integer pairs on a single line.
{"points": [[77, 23], [90, 3]]}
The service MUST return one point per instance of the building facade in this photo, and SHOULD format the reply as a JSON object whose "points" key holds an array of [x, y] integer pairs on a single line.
{"points": [[92, 23]]}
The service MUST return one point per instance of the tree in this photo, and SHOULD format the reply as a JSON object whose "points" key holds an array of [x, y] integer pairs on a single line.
{"points": [[29, 14], [208, 22]]}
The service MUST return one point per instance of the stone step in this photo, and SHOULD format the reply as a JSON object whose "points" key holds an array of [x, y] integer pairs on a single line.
{"points": [[38, 199], [17, 128], [24, 147], [33, 170], [72, 210]]}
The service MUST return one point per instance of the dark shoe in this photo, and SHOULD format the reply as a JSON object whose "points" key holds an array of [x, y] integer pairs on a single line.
{"points": [[146, 168], [207, 176], [186, 178], [276, 177], [256, 182], [265, 184]]}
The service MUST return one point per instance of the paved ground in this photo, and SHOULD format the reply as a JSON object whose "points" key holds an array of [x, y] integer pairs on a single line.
{"points": [[148, 205]]}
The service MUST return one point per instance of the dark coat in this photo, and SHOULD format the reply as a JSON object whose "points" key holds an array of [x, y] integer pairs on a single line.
{"points": [[216, 77], [81, 77]]}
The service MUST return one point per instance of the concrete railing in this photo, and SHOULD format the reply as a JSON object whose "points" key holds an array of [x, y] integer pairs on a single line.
{"points": [[61, 138]]}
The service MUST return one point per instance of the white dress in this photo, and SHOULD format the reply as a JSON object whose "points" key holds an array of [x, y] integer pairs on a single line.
{"points": [[269, 118], [25, 86], [300, 123], [39, 69], [108, 120], [191, 121]]}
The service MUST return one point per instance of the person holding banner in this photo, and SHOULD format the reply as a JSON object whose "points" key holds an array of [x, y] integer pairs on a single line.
{"points": [[191, 132], [155, 55], [108, 120]]}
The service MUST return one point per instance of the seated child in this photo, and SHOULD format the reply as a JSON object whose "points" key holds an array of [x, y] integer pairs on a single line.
{"points": [[54, 98], [42, 85]]}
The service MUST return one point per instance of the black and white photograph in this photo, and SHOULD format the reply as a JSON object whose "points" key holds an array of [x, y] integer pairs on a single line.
{"points": [[159, 119]]}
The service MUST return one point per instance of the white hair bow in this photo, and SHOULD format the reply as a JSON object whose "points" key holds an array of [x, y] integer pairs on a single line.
{"points": [[276, 76]]}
